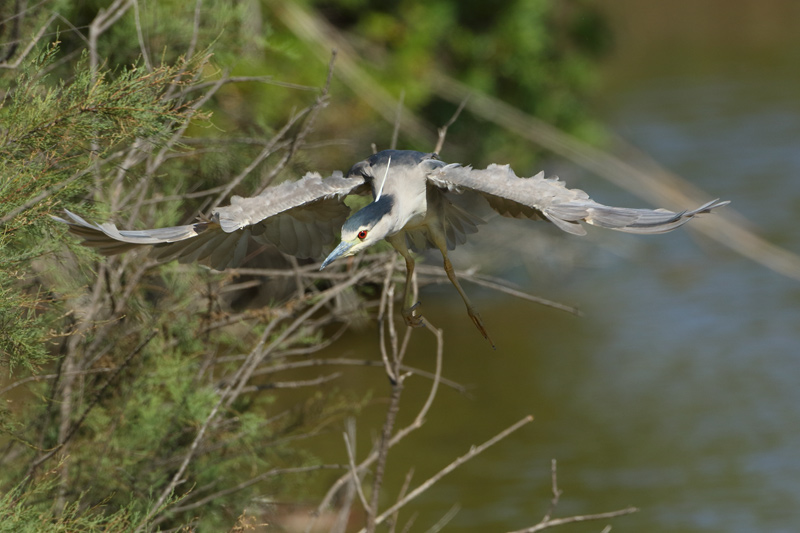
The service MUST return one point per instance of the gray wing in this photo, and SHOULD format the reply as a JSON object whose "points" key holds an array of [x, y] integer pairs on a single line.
{"points": [[458, 223], [541, 198], [301, 218]]}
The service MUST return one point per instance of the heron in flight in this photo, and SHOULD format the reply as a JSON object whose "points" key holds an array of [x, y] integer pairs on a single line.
{"points": [[411, 209]]}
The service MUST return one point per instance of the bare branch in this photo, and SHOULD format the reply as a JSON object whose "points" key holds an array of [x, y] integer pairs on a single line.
{"points": [[396, 129], [294, 384], [343, 515], [268, 150], [556, 492], [475, 450], [260, 351], [547, 521], [42, 377], [498, 284], [30, 46], [140, 36], [72, 428], [315, 30], [354, 474], [579, 518], [443, 129], [18, 18], [243, 485], [387, 297], [401, 434], [357, 362], [383, 450], [308, 125], [403, 491], [105, 19], [43, 195], [448, 516], [269, 80], [504, 286], [195, 29]]}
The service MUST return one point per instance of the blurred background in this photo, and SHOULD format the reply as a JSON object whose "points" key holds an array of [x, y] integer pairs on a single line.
{"points": [[674, 392]]}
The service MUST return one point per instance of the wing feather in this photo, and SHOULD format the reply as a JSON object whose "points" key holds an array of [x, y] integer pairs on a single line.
{"points": [[288, 215], [281, 198], [539, 198]]}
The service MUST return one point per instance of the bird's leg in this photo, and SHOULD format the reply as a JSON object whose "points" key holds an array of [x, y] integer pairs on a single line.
{"points": [[408, 312], [473, 314], [412, 320], [436, 220]]}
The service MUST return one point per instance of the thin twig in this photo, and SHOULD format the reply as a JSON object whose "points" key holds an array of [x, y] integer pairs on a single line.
{"points": [[383, 451], [547, 521], [475, 450], [78, 423], [419, 420], [294, 384], [31, 44], [443, 129], [356, 362], [268, 80], [578, 518], [443, 521], [396, 129], [140, 36], [403, 491], [498, 285], [261, 351], [198, 10], [387, 298], [268, 150], [556, 493], [42, 377], [396, 380], [343, 514], [410, 523], [243, 485], [354, 474], [306, 128], [44, 194]]}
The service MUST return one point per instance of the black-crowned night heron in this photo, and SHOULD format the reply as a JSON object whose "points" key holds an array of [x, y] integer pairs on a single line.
{"points": [[410, 209]]}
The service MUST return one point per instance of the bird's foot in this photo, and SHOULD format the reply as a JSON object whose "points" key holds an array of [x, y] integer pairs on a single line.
{"points": [[476, 319], [412, 320]]}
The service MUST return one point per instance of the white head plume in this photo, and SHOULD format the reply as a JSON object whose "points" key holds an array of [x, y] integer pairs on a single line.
{"points": [[383, 181]]}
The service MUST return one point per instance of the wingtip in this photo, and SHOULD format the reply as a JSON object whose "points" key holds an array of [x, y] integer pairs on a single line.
{"points": [[709, 206], [721, 203]]}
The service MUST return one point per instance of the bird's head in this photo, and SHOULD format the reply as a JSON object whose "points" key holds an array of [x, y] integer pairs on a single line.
{"points": [[397, 178], [366, 227]]}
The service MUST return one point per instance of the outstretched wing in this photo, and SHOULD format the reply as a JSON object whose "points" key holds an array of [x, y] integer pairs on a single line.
{"points": [[541, 198], [301, 218]]}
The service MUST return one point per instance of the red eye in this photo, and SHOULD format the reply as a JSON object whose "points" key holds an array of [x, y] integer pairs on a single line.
{"points": [[362, 234]]}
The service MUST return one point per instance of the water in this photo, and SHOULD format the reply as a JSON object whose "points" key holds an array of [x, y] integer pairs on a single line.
{"points": [[677, 392]]}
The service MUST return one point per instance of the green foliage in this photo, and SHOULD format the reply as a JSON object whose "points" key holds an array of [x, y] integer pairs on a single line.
{"points": [[21, 341], [536, 55], [131, 375], [53, 133], [26, 508]]}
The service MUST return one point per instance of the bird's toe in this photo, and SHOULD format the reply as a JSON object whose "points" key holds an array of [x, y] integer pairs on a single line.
{"points": [[411, 319]]}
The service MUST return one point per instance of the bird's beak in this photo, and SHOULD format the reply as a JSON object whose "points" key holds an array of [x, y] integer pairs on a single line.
{"points": [[340, 251]]}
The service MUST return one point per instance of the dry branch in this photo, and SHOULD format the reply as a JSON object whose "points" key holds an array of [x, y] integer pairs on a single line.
{"points": [[547, 521], [475, 450]]}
